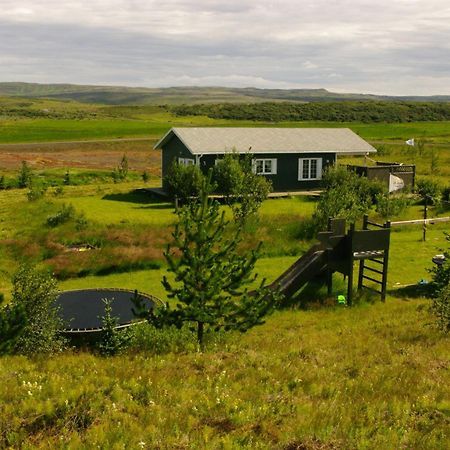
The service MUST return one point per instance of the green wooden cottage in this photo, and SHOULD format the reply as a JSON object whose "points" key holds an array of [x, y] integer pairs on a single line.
{"points": [[292, 158]]}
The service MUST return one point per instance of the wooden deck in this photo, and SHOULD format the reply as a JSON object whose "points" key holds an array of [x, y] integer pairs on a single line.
{"points": [[159, 192]]}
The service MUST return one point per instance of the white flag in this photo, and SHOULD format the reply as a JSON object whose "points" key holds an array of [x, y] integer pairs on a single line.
{"points": [[395, 183], [410, 142]]}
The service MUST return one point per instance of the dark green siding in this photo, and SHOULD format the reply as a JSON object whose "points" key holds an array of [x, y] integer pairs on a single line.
{"points": [[286, 178]]}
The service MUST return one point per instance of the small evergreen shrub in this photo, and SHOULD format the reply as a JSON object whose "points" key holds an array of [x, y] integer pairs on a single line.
{"points": [[120, 173], [65, 214], [25, 177], [113, 340]]}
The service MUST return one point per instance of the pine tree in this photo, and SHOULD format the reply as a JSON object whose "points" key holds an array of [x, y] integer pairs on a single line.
{"points": [[211, 275], [25, 176], [112, 340]]}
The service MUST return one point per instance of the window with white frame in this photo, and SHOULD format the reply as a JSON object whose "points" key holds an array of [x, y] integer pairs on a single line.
{"points": [[186, 161], [309, 169], [265, 166]]}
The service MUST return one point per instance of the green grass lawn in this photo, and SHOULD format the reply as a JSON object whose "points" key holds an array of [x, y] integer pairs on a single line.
{"points": [[131, 219]]}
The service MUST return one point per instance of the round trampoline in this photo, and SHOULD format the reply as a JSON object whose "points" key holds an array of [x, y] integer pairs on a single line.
{"points": [[82, 310]]}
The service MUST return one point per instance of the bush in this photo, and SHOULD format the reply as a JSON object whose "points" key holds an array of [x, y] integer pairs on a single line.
{"points": [[346, 195], [66, 213], [430, 190], [35, 292], [391, 205], [183, 181], [244, 190], [25, 176], [12, 323], [441, 273], [66, 179], [446, 197], [120, 173], [36, 193]]}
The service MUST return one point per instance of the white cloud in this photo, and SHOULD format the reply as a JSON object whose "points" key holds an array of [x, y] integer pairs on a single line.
{"points": [[392, 46]]}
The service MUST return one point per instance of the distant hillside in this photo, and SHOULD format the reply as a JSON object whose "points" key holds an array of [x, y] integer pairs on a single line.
{"points": [[120, 95]]}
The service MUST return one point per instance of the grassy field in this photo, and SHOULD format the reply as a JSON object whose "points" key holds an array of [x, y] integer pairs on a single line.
{"points": [[41, 120], [371, 377], [45, 130], [129, 228]]}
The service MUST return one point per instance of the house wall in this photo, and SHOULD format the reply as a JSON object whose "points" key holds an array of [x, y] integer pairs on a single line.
{"points": [[286, 178]]}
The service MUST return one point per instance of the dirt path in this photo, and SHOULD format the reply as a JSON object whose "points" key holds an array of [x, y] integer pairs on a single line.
{"points": [[59, 144], [98, 154]]}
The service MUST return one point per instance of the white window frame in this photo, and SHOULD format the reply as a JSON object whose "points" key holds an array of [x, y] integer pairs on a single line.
{"points": [[186, 161], [302, 162], [265, 171]]}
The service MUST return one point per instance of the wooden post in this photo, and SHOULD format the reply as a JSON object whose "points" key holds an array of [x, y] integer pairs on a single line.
{"points": [[365, 220], [385, 267], [350, 267], [361, 263], [329, 279], [425, 214], [329, 271], [360, 274]]}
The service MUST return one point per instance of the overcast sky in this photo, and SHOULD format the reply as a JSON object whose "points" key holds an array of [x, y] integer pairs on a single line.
{"points": [[375, 46]]}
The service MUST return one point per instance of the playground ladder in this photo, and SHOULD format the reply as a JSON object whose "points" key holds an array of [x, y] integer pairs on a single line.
{"points": [[373, 265]]}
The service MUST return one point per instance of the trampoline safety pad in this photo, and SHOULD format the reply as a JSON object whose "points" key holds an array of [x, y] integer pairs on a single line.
{"points": [[83, 310]]}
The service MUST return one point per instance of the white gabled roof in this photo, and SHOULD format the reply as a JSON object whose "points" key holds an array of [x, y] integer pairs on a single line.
{"points": [[213, 140]]}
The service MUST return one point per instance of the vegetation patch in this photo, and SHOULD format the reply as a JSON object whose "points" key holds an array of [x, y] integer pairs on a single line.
{"points": [[367, 112]]}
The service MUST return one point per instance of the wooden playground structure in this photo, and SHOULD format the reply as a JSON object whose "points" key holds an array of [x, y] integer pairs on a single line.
{"points": [[338, 251]]}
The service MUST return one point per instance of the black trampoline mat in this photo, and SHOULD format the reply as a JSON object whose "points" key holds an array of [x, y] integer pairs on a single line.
{"points": [[84, 309]]}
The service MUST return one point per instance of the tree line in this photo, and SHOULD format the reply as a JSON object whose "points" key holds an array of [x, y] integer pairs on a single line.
{"points": [[358, 111]]}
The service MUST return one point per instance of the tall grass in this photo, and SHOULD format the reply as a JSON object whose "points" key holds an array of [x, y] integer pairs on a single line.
{"points": [[372, 377]]}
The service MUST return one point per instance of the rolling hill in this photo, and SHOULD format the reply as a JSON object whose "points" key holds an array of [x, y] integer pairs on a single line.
{"points": [[122, 95]]}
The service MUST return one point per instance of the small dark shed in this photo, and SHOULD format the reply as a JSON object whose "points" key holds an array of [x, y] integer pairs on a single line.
{"points": [[395, 176], [292, 158]]}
